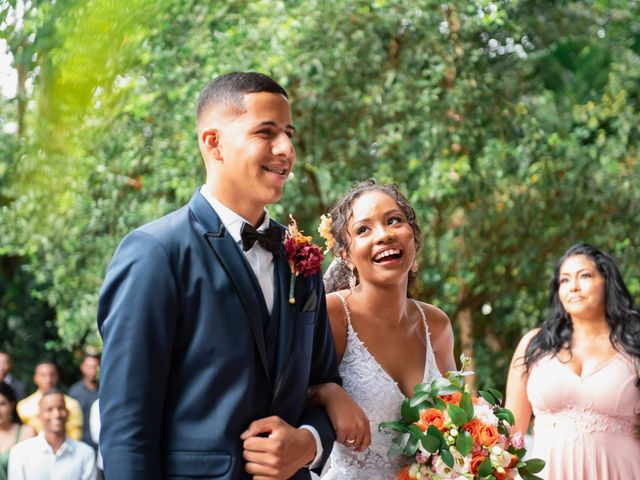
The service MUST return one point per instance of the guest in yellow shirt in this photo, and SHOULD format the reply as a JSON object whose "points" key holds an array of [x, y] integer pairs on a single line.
{"points": [[46, 377]]}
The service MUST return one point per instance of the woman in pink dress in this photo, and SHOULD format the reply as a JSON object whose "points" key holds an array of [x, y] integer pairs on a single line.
{"points": [[579, 374]]}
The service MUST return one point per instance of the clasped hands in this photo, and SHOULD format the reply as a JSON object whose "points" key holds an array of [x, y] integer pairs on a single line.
{"points": [[274, 449]]}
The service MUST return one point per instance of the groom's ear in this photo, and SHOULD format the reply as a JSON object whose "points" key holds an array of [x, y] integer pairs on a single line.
{"points": [[210, 142]]}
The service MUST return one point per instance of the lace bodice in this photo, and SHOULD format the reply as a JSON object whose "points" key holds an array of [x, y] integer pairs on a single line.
{"points": [[380, 398]]}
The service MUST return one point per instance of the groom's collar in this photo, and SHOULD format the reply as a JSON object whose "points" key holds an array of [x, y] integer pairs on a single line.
{"points": [[231, 220]]}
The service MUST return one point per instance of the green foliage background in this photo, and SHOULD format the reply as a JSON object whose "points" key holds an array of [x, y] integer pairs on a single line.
{"points": [[513, 126]]}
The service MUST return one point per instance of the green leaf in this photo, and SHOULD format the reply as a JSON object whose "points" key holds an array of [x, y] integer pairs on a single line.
{"points": [[434, 432], [529, 476], [457, 415], [421, 388], [397, 426], [447, 457], [506, 415], [467, 405], [409, 414], [464, 442], [488, 397], [496, 394], [411, 447], [431, 443], [439, 403], [398, 445], [534, 465], [421, 398], [415, 431], [485, 468]]}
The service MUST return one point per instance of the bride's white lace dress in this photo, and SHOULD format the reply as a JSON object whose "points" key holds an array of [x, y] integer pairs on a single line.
{"points": [[380, 398]]}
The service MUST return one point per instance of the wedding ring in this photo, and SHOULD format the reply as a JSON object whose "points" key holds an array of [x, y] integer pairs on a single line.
{"points": [[350, 442]]}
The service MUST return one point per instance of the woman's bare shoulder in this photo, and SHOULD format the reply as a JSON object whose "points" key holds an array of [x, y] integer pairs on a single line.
{"points": [[436, 318]]}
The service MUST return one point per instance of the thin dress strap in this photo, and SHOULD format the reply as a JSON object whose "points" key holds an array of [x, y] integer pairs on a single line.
{"points": [[347, 312], [424, 317], [18, 432]]}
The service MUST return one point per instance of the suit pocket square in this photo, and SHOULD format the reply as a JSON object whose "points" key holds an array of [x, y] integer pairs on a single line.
{"points": [[310, 303]]}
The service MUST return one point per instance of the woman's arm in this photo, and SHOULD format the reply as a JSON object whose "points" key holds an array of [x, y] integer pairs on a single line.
{"points": [[517, 400], [349, 421]]}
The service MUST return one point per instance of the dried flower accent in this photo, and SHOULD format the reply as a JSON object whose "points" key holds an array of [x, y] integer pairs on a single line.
{"points": [[304, 257], [324, 229]]}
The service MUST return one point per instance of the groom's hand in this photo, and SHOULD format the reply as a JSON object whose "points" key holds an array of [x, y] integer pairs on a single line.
{"points": [[275, 449]]}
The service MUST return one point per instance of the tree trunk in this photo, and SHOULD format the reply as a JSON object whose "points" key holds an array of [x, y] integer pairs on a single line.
{"points": [[463, 321]]}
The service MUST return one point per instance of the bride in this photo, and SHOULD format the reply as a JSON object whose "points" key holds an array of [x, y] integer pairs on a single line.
{"points": [[386, 341]]}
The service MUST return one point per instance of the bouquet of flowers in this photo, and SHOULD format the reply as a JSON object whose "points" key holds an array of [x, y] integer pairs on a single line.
{"points": [[449, 434]]}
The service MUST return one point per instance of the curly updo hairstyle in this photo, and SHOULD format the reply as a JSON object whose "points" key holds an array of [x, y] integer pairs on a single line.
{"points": [[337, 276]]}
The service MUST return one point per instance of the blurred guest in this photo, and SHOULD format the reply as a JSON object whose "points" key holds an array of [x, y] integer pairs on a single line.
{"points": [[6, 376], [11, 429], [578, 373], [46, 377], [94, 427], [85, 392], [52, 454]]}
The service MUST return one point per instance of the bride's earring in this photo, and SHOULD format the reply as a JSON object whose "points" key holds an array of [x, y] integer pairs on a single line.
{"points": [[414, 266], [352, 276]]}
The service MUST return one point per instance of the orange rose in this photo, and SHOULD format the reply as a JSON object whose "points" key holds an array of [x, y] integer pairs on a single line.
{"points": [[454, 398], [404, 474], [501, 476], [473, 427], [431, 416], [475, 463], [487, 435]]}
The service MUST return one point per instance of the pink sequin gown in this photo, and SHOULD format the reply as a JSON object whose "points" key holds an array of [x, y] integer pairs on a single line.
{"points": [[585, 426]]}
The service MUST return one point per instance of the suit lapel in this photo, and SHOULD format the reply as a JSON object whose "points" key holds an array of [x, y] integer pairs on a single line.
{"points": [[236, 268], [287, 318]]}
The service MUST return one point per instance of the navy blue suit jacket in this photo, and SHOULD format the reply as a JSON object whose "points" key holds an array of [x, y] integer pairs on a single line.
{"points": [[184, 368]]}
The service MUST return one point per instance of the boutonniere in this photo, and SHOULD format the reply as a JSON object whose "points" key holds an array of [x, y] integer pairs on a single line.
{"points": [[304, 257]]}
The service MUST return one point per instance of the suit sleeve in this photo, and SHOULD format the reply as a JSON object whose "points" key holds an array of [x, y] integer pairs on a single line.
{"points": [[137, 314], [324, 369]]}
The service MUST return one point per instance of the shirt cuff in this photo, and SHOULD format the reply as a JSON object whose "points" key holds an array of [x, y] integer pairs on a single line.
{"points": [[318, 458]]}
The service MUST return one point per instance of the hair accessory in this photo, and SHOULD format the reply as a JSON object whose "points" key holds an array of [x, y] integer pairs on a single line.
{"points": [[324, 229]]}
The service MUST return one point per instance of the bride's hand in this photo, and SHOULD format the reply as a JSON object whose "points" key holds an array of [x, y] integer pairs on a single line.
{"points": [[348, 419]]}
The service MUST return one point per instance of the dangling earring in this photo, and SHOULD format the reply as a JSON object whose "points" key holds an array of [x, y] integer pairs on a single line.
{"points": [[414, 266], [352, 276]]}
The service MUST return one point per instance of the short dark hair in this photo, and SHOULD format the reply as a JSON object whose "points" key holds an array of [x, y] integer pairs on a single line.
{"points": [[230, 89], [10, 394], [46, 361], [52, 391]]}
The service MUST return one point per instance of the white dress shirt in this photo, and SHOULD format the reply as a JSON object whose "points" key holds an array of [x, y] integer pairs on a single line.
{"points": [[34, 459], [261, 261]]}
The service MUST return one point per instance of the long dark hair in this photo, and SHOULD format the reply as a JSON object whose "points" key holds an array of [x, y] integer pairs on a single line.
{"points": [[7, 392], [337, 277], [622, 315]]}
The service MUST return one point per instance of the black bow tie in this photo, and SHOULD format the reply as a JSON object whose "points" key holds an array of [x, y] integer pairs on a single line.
{"points": [[270, 239]]}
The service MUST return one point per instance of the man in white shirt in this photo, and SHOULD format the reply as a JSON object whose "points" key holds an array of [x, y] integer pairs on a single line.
{"points": [[52, 455]]}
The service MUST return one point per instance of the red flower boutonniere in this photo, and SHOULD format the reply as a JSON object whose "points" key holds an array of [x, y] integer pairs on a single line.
{"points": [[304, 257]]}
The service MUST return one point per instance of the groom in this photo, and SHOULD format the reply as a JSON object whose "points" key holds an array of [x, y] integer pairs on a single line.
{"points": [[206, 364]]}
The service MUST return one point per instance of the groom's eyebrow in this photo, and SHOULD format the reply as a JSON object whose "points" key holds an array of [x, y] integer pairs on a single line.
{"points": [[271, 123]]}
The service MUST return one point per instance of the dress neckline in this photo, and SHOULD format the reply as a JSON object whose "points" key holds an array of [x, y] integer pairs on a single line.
{"points": [[600, 367], [352, 330]]}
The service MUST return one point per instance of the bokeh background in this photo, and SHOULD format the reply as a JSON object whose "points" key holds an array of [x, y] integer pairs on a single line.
{"points": [[513, 127]]}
